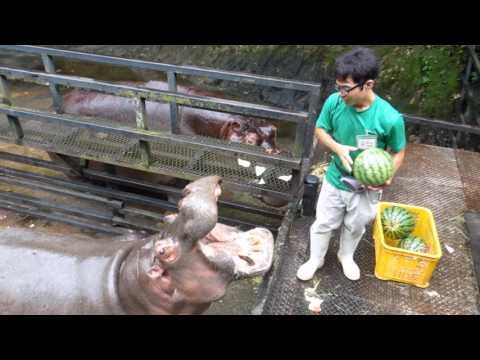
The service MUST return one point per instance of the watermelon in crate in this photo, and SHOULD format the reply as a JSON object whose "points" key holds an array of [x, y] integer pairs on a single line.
{"points": [[397, 222], [413, 243]]}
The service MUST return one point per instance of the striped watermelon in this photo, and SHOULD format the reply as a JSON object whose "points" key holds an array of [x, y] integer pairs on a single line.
{"points": [[373, 167], [397, 222], [413, 243]]}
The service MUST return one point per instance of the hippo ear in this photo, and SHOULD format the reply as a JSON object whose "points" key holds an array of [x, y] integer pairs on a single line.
{"points": [[228, 128], [269, 138]]}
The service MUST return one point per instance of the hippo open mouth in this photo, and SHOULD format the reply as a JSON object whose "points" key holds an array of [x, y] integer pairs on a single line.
{"points": [[240, 253], [199, 255]]}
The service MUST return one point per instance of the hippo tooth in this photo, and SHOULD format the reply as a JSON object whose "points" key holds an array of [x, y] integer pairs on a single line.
{"points": [[286, 178], [244, 163], [259, 170]]}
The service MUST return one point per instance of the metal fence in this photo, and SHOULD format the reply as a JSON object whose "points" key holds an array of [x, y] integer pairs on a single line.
{"points": [[146, 140]]}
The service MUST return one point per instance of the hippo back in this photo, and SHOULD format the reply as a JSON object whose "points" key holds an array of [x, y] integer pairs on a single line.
{"points": [[45, 274]]}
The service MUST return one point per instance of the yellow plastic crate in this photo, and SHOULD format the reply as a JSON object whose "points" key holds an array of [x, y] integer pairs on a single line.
{"points": [[393, 263]]}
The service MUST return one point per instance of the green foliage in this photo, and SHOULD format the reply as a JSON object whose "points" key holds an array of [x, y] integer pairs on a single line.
{"points": [[422, 79]]}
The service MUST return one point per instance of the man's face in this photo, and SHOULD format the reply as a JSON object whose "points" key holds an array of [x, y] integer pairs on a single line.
{"points": [[351, 92]]}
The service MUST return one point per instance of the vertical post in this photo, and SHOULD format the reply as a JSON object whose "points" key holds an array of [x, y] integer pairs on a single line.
{"points": [[5, 98], [172, 87], [141, 115], [474, 56], [314, 101], [50, 68], [299, 139], [304, 142], [4, 91]]}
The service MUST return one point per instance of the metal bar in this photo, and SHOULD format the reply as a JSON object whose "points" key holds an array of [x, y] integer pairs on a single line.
{"points": [[5, 96], [201, 102], [12, 120], [16, 128], [140, 212], [442, 124], [163, 189], [172, 87], [63, 218], [138, 225], [312, 120], [141, 117], [464, 97], [90, 123], [50, 68], [84, 212], [474, 56], [271, 278], [81, 189], [72, 167], [137, 184], [34, 162], [18, 180], [300, 130], [184, 70]]}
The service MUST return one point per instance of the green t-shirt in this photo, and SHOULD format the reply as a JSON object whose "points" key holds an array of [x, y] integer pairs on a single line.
{"points": [[344, 123]]}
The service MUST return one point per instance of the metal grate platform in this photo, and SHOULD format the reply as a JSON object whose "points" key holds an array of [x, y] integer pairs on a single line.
{"points": [[167, 158], [431, 178], [469, 167]]}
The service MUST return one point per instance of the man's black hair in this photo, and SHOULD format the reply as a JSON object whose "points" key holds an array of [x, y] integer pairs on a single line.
{"points": [[360, 63]]}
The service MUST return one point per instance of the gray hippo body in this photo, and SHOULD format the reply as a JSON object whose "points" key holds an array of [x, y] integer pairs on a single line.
{"points": [[60, 275], [180, 270]]}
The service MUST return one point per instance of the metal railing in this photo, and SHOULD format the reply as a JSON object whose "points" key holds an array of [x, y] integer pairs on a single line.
{"points": [[304, 121], [303, 133]]}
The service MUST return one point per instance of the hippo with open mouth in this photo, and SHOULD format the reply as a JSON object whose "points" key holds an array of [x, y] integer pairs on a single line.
{"points": [[181, 270]]}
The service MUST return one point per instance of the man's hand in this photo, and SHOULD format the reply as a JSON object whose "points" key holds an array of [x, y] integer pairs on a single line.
{"points": [[343, 152], [382, 187]]}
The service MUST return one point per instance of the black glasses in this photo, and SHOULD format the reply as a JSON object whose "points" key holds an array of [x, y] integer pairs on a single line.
{"points": [[347, 89]]}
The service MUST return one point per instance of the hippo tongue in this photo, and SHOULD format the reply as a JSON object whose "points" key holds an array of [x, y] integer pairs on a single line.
{"points": [[242, 254]]}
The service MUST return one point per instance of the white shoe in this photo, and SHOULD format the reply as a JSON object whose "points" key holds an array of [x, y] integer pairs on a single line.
{"points": [[307, 271], [350, 268], [318, 249], [348, 245]]}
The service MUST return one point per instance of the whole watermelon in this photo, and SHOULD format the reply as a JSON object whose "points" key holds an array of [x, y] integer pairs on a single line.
{"points": [[413, 243], [397, 222], [373, 167]]}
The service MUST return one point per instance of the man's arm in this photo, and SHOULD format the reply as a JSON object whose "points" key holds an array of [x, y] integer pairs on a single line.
{"points": [[343, 151], [397, 161]]}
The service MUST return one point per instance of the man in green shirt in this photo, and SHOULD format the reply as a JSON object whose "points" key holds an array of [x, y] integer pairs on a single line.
{"points": [[352, 120]]}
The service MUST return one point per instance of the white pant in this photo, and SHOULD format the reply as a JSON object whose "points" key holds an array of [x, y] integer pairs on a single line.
{"points": [[337, 208]]}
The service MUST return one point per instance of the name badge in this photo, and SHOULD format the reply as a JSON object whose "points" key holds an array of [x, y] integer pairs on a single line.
{"points": [[365, 142]]}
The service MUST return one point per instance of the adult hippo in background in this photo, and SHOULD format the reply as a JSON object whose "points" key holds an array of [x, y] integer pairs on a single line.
{"points": [[181, 270], [230, 127], [234, 128]]}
